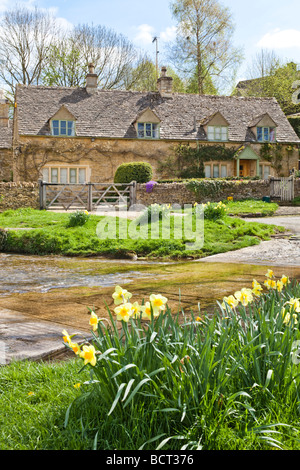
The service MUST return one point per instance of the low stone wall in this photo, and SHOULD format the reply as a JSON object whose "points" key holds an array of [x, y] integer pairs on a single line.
{"points": [[297, 187], [208, 190], [16, 195]]}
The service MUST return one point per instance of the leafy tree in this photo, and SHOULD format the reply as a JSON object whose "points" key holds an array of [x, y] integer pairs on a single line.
{"points": [[204, 41]]}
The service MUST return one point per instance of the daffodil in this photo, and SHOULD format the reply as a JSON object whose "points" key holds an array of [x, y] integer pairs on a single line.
{"points": [[158, 303], [231, 301], [295, 304], [66, 336], [94, 320], [270, 274], [121, 296], [285, 280], [124, 312], [136, 309], [78, 385], [256, 288], [146, 311], [75, 347], [288, 319], [279, 286], [270, 284], [88, 353], [244, 296]]}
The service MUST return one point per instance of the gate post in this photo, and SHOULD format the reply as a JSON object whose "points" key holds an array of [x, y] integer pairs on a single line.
{"points": [[133, 193], [90, 197], [42, 195]]}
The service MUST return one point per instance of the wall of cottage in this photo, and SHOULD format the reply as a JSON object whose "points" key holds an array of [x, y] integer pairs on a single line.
{"points": [[102, 157], [6, 166], [17, 195]]}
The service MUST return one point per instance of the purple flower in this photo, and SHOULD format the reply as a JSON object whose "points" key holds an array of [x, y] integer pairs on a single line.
{"points": [[149, 186]]}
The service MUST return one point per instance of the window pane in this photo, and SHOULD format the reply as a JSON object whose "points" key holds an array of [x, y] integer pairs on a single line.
{"points": [[55, 127], [216, 171], [54, 175], [148, 130], [155, 131], [63, 127], [272, 135], [210, 133], [73, 175], [140, 130], [224, 133], [71, 128], [223, 171], [259, 134], [63, 177], [218, 133], [207, 170], [266, 134], [45, 172], [266, 172], [81, 175]]}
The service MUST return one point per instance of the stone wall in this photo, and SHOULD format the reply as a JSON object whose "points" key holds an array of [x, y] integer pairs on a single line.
{"points": [[211, 190], [16, 195], [6, 169]]}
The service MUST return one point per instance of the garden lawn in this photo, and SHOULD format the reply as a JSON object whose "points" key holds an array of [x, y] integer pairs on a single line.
{"points": [[252, 207], [45, 233]]}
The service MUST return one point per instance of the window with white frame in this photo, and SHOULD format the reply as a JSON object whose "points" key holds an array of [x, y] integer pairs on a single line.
{"points": [[217, 133], [264, 171], [207, 171], [62, 128], [65, 175], [266, 134], [148, 130]]}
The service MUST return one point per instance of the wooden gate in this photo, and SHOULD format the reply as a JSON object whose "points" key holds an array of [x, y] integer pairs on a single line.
{"points": [[88, 196], [283, 188]]}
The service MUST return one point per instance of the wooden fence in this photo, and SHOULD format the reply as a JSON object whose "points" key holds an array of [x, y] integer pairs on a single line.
{"points": [[283, 188]]}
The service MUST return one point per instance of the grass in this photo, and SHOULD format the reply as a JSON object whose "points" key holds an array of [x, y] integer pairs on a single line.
{"points": [[252, 207], [44, 233], [175, 381]]}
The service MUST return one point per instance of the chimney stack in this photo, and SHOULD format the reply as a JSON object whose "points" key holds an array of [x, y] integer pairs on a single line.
{"points": [[91, 79], [165, 84], [4, 110]]}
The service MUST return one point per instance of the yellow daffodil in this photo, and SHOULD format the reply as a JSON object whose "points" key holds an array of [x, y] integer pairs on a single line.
{"points": [[288, 319], [285, 280], [124, 312], [75, 347], [121, 296], [158, 303], [136, 309], [30, 394], [270, 284], [244, 296], [88, 353], [146, 311], [295, 304], [77, 385], [94, 321], [66, 336], [279, 286], [270, 274], [86, 212], [198, 319], [231, 301]]}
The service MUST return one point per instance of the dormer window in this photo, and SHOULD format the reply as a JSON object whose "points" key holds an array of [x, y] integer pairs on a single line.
{"points": [[63, 128], [148, 130], [266, 134], [217, 133]]}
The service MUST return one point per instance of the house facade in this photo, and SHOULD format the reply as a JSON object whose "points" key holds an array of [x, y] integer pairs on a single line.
{"points": [[6, 148], [77, 135]]}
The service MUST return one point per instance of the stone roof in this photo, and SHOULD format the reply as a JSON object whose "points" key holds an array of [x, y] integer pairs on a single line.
{"points": [[6, 135], [111, 114]]}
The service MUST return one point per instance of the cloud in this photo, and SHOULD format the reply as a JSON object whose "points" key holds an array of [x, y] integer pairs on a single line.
{"points": [[145, 34], [280, 39], [169, 34]]}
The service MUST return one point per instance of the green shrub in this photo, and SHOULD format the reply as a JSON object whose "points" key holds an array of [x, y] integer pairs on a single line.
{"points": [[140, 172], [78, 218]]}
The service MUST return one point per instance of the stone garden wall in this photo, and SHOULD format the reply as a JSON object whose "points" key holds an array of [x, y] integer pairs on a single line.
{"points": [[203, 191], [16, 195]]}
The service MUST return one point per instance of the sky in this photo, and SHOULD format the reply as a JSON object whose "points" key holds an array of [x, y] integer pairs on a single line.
{"points": [[259, 24]]}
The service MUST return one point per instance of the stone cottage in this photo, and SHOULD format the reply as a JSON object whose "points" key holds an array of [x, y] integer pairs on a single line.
{"points": [[76, 135], [6, 154]]}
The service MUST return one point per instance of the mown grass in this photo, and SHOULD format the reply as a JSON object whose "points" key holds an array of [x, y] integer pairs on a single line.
{"points": [[252, 207], [44, 233], [221, 382]]}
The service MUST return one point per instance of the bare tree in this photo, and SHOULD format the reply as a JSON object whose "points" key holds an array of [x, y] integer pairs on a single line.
{"points": [[204, 40], [25, 38]]}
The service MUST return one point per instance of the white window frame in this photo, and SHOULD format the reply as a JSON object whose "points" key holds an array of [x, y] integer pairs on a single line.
{"points": [[59, 169], [263, 129], [60, 121], [154, 130], [217, 133]]}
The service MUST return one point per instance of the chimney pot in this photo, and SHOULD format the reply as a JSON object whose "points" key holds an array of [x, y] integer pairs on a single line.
{"points": [[91, 79], [165, 84]]}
